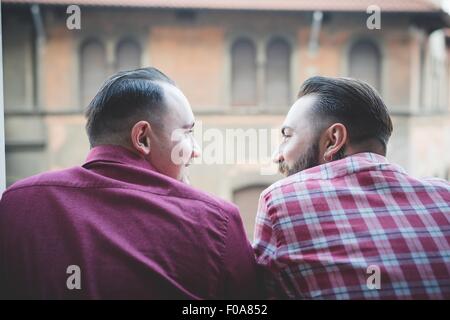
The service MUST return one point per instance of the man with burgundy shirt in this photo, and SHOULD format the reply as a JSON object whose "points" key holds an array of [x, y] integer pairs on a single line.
{"points": [[125, 225]]}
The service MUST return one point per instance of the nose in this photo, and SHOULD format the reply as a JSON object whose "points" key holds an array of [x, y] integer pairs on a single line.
{"points": [[196, 152], [277, 156]]}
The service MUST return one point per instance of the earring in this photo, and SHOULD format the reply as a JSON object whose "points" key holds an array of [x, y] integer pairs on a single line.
{"points": [[331, 158]]}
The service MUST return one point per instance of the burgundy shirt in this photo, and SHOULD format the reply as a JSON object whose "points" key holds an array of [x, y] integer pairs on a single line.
{"points": [[133, 232]]}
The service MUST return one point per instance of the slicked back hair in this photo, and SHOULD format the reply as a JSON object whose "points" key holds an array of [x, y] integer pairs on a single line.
{"points": [[124, 99], [353, 103]]}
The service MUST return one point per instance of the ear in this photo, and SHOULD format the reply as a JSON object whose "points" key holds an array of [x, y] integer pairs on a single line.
{"points": [[335, 138], [140, 137]]}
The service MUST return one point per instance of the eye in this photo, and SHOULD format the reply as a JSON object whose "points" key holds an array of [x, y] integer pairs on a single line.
{"points": [[285, 133]]}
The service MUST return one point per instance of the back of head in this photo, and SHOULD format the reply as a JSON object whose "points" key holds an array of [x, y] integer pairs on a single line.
{"points": [[124, 99], [353, 103]]}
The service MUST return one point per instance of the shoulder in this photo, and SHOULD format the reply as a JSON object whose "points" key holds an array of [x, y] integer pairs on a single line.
{"points": [[67, 177], [301, 182], [221, 205], [437, 182], [440, 186]]}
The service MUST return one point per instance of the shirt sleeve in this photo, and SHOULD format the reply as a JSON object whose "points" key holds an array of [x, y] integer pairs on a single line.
{"points": [[241, 273], [265, 249]]}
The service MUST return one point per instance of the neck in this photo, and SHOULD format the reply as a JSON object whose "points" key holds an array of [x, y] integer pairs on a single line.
{"points": [[369, 146]]}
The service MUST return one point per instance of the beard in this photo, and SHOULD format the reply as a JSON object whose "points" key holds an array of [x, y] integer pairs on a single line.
{"points": [[307, 160]]}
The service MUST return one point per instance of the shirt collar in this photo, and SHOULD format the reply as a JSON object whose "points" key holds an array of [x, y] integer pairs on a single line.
{"points": [[348, 165], [118, 154]]}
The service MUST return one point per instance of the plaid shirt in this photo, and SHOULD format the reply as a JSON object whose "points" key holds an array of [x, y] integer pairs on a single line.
{"points": [[325, 232]]}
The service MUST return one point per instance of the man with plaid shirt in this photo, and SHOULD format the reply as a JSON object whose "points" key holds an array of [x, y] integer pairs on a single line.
{"points": [[345, 223]]}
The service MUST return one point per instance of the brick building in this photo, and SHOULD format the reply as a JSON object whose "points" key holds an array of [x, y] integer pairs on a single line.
{"points": [[239, 63]]}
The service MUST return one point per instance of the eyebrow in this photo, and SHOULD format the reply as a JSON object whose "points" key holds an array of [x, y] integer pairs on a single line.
{"points": [[189, 126]]}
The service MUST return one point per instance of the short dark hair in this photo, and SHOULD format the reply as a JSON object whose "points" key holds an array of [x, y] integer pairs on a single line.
{"points": [[352, 102], [124, 99]]}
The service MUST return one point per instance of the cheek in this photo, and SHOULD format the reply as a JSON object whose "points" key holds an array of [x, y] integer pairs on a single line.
{"points": [[181, 151], [163, 154], [292, 150], [186, 148]]}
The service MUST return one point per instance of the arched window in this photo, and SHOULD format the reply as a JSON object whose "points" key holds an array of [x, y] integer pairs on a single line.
{"points": [[92, 69], [243, 73], [365, 63], [278, 72], [247, 201], [128, 54]]}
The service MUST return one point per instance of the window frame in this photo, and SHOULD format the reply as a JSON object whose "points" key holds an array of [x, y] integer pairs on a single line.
{"points": [[378, 42], [290, 48], [261, 40]]}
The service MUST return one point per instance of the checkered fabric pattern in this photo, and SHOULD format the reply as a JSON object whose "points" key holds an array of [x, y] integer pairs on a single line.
{"points": [[356, 228]]}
